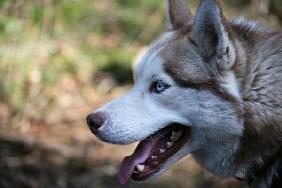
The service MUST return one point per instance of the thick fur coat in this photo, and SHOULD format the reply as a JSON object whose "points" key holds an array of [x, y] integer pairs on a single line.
{"points": [[220, 78]]}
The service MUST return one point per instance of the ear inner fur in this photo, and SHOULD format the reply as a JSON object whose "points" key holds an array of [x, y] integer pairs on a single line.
{"points": [[211, 34]]}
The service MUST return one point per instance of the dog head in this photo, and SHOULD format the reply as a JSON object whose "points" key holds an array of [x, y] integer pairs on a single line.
{"points": [[185, 98]]}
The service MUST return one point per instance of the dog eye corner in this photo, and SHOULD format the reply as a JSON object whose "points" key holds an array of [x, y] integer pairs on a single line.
{"points": [[158, 87]]}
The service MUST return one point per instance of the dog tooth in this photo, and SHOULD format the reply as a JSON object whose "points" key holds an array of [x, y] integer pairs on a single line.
{"points": [[140, 167], [136, 171], [153, 156], [169, 144], [162, 150]]}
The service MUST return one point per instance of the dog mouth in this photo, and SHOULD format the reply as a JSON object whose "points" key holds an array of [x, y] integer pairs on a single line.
{"points": [[152, 153]]}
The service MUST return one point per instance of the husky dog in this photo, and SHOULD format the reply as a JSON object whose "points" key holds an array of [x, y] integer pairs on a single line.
{"points": [[208, 87]]}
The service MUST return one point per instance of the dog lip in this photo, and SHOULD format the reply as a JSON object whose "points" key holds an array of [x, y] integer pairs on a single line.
{"points": [[153, 164]]}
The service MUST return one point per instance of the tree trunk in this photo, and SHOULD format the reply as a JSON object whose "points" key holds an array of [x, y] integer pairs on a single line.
{"points": [[275, 7], [237, 3]]}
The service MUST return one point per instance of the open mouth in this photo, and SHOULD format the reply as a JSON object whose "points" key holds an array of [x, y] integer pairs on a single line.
{"points": [[153, 152]]}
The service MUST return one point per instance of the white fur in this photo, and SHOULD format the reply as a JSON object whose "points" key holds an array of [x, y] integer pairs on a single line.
{"points": [[223, 40], [216, 127], [229, 82], [252, 25], [139, 113], [131, 114], [152, 51]]}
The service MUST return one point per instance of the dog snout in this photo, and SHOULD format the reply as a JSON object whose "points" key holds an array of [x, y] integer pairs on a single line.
{"points": [[95, 121]]}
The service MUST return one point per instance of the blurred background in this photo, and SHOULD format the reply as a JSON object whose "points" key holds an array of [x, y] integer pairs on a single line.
{"points": [[60, 60]]}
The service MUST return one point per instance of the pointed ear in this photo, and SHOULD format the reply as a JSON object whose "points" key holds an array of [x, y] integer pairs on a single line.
{"points": [[210, 32], [178, 15]]}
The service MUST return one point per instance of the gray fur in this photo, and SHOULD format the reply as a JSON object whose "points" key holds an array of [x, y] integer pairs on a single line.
{"points": [[208, 30], [231, 99], [178, 15]]}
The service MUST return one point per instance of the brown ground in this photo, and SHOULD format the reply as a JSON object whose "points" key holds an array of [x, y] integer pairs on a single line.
{"points": [[62, 152]]}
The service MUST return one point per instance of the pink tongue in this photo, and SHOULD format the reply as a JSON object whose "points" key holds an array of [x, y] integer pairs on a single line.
{"points": [[140, 155]]}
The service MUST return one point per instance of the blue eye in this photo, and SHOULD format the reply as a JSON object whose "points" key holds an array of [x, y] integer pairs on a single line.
{"points": [[158, 87]]}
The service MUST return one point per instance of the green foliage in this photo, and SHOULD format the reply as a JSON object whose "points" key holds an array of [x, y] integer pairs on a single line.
{"points": [[43, 40], [118, 67], [37, 14]]}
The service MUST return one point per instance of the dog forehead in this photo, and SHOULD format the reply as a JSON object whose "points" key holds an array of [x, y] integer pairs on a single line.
{"points": [[173, 55], [151, 61], [183, 62], [151, 69]]}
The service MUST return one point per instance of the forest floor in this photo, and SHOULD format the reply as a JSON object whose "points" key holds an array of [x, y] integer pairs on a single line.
{"points": [[64, 153]]}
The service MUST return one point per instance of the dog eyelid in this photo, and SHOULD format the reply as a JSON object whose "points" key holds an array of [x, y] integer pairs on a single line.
{"points": [[158, 86]]}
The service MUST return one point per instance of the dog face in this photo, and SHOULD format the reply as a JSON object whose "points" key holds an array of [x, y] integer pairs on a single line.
{"points": [[185, 98]]}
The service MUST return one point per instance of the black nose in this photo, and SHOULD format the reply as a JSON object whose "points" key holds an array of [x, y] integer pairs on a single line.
{"points": [[95, 121]]}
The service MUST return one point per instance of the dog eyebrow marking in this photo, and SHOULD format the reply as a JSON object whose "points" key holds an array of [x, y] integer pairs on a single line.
{"points": [[154, 76], [153, 51]]}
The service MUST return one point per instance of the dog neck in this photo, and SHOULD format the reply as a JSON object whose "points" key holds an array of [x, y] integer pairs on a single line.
{"points": [[267, 173]]}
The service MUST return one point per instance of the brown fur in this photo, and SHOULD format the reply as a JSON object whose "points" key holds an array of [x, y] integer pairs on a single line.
{"points": [[262, 134]]}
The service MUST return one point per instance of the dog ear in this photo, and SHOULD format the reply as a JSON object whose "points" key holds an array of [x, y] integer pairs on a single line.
{"points": [[210, 33], [178, 15]]}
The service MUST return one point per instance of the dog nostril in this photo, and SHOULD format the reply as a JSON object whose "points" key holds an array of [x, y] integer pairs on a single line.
{"points": [[95, 121]]}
